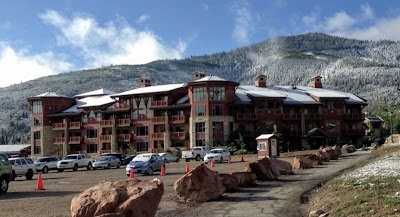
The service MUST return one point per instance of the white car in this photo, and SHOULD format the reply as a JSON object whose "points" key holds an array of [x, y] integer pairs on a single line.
{"points": [[106, 161], [44, 164], [167, 157], [218, 155], [22, 166]]}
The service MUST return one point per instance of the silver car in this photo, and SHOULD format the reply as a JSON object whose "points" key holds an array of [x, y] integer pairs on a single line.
{"points": [[44, 164], [145, 164], [168, 157], [106, 162]]}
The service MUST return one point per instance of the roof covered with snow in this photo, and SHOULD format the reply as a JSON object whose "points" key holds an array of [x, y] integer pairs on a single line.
{"points": [[13, 148], [51, 94], [210, 78], [265, 136], [150, 89], [92, 101], [98, 92]]}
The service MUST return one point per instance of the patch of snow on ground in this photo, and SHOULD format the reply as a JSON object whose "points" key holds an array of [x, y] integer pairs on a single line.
{"points": [[387, 166]]}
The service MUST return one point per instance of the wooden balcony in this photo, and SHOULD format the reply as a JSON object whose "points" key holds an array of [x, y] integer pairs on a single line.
{"points": [[158, 119], [355, 132], [59, 126], [74, 125], [200, 135], [123, 122], [179, 135], [291, 116], [105, 151], [246, 116], [157, 136], [124, 137], [74, 140], [218, 135], [121, 106], [177, 119], [355, 116], [105, 138], [312, 116], [265, 111], [59, 140], [106, 123], [159, 103]]}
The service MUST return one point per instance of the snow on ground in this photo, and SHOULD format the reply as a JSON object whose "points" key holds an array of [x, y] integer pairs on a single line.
{"points": [[387, 166]]}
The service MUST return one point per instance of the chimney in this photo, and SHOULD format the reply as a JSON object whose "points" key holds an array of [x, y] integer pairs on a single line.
{"points": [[261, 81], [315, 82], [197, 75], [144, 82]]}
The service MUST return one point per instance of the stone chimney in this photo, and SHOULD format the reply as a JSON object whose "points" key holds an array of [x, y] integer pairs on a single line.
{"points": [[261, 81], [144, 82], [316, 82], [197, 75]]}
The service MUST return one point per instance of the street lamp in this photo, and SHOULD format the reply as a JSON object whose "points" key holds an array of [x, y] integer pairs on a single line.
{"points": [[391, 126]]}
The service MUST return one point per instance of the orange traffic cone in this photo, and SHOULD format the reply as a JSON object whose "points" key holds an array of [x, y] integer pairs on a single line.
{"points": [[187, 168], [39, 185], [242, 159], [162, 170], [212, 163], [229, 160], [131, 174]]}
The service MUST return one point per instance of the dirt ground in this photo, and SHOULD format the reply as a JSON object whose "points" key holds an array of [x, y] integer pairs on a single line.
{"points": [[23, 200]]}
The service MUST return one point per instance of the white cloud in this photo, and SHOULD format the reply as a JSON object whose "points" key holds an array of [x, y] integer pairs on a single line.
{"points": [[340, 21], [19, 65], [243, 25], [367, 11], [143, 19], [385, 28], [111, 43]]}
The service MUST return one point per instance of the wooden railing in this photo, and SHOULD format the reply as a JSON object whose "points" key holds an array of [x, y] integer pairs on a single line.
{"points": [[59, 126], [105, 138], [246, 116], [37, 142], [74, 139], [123, 137], [157, 135], [311, 116], [291, 116], [178, 119], [159, 103], [106, 123], [218, 135], [75, 125], [179, 135], [158, 119], [59, 140], [105, 151], [200, 135], [121, 105], [124, 122]]}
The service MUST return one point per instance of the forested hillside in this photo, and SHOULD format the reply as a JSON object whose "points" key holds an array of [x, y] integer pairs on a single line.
{"points": [[366, 68]]}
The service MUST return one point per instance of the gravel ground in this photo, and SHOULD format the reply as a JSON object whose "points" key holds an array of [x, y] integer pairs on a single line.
{"points": [[387, 166]]}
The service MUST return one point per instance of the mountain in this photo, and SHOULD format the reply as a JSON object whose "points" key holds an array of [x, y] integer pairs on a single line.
{"points": [[370, 69]]}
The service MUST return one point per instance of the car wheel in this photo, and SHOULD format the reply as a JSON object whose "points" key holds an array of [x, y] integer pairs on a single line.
{"points": [[221, 160], [29, 175], [118, 165], [3, 185], [75, 167], [187, 160], [13, 176], [177, 160], [45, 170], [108, 166], [198, 158], [165, 161], [150, 171], [89, 166]]}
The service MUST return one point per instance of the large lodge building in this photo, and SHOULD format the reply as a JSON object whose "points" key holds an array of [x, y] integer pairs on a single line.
{"points": [[205, 111]]}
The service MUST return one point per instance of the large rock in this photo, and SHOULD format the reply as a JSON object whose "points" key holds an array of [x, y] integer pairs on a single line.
{"points": [[346, 148], [323, 155], [245, 178], [264, 170], [118, 199], [229, 181], [333, 153], [301, 162], [201, 184], [317, 160], [283, 167]]}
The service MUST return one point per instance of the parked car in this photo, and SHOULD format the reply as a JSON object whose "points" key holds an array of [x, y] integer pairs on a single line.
{"points": [[106, 162], [74, 161], [121, 157], [44, 164], [197, 152], [145, 164], [22, 166], [218, 155], [168, 157], [129, 158], [5, 173]]}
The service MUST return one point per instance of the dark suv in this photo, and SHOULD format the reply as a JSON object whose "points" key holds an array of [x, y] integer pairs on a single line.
{"points": [[121, 157]]}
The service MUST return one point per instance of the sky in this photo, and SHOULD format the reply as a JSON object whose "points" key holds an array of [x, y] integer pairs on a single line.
{"points": [[48, 37]]}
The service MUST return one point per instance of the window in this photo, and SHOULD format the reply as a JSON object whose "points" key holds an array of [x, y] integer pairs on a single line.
{"points": [[135, 115], [98, 117], [200, 127], [37, 107], [217, 110], [92, 115], [134, 103], [91, 133], [85, 118], [217, 93], [141, 103], [91, 148], [37, 149], [263, 146], [37, 121], [142, 146], [200, 111], [199, 94], [200, 142], [142, 131], [36, 135]]}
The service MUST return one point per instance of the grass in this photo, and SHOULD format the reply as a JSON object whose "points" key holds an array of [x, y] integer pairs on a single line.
{"points": [[355, 198]]}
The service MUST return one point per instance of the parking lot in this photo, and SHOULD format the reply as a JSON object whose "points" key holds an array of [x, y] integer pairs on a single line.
{"points": [[23, 200]]}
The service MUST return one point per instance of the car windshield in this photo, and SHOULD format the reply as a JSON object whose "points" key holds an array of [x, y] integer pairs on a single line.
{"points": [[104, 158], [12, 162], [4, 159], [41, 160], [70, 157], [216, 151], [142, 158]]}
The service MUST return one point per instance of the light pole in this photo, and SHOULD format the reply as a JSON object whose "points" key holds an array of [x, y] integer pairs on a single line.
{"points": [[391, 126]]}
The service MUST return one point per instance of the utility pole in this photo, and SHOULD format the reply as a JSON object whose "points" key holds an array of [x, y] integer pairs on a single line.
{"points": [[391, 126]]}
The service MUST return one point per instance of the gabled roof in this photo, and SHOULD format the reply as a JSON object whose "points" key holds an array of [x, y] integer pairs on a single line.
{"points": [[13, 148], [91, 101], [210, 78], [314, 131], [374, 119], [265, 136], [150, 89], [99, 92], [50, 94]]}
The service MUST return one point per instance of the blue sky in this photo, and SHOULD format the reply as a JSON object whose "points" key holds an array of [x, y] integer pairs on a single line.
{"points": [[47, 37]]}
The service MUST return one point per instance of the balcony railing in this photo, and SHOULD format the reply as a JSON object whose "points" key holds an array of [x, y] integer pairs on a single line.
{"points": [[121, 105], [179, 135], [177, 119], [218, 135], [75, 125], [246, 116], [59, 126], [37, 142], [74, 140], [311, 116], [124, 137], [200, 135], [105, 151], [355, 116], [105, 138], [157, 135], [123, 122], [159, 103], [106, 123], [59, 140], [291, 116], [158, 119]]}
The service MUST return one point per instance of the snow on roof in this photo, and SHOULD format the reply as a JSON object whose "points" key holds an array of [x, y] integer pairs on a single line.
{"points": [[51, 94], [150, 89], [89, 102], [265, 93], [265, 136], [210, 78], [98, 92], [13, 148], [182, 100], [325, 93]]}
